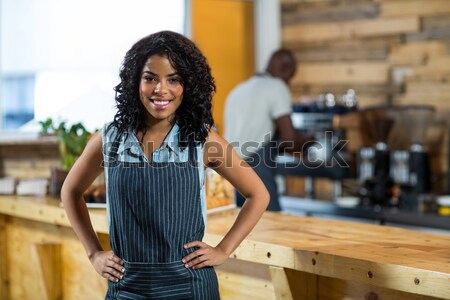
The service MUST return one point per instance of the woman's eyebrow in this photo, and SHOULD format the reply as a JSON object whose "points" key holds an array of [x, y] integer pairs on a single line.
{"points": [[168, 75], [151, 73]]}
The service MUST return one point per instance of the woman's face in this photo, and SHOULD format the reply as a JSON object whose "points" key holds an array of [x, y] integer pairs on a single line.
{"points": [[160, 88]]}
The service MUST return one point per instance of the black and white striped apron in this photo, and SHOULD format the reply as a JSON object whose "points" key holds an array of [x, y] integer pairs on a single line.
{"points": [[155, 210]]}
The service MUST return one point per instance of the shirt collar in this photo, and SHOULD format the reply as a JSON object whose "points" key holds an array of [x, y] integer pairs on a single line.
{"points": [[171, 141]]}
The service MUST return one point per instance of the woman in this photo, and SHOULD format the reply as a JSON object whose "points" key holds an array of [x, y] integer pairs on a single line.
{"points": [[154, 154]]}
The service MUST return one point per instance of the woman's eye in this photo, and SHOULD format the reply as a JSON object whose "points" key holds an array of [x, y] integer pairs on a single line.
{"points": [[149, 79], [174, 80]]}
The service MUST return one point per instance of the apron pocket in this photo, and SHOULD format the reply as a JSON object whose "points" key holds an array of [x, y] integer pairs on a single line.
{"points": [[155, 281]]}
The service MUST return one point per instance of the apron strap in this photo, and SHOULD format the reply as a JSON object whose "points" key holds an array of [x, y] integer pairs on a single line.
{"points": [[192, 152], [110, 153]]}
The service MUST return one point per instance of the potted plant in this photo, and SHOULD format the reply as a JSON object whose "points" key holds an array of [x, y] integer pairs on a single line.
{"points": [[72, 141]]}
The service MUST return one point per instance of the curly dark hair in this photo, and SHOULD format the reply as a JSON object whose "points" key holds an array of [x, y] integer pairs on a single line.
{"points": [[194, 115]]}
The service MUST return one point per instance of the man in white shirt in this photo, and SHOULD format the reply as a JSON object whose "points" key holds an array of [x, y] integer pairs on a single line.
{"points": [[257, 109]]}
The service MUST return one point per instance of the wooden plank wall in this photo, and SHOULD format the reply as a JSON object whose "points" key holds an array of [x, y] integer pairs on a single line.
{"points": [[389, 51], [28, 161], [24, 160]]}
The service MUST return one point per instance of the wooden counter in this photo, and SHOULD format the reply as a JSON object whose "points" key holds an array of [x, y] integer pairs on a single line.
{"points": [[285, 257]]}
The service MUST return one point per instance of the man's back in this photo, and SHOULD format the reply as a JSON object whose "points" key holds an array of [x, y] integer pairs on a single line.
{"points": [[250, 111], [253, 111]]}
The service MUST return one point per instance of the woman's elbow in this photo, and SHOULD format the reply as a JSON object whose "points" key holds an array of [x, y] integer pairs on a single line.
{"points": [[264, 198], [69, 193], [65, 193]]}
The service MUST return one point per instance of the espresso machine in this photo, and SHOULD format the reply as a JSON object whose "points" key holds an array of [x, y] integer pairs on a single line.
{"points": [[328, 156]]}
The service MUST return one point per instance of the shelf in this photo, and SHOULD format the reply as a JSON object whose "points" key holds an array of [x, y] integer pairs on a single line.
{"points": [[38, 140]]}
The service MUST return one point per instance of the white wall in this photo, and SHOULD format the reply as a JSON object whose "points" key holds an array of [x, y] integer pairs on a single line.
{"points": [[267, 31]]}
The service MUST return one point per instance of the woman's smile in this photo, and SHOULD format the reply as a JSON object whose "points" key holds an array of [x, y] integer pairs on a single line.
{"points": [[160, 104]]}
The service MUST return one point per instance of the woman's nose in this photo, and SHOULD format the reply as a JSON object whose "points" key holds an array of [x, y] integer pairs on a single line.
{"points": [[160, 87]]}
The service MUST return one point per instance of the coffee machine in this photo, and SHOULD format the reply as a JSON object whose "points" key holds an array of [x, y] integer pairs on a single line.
{"points": [[328, 156], [374, 161], [395, 172], [410, 168]]}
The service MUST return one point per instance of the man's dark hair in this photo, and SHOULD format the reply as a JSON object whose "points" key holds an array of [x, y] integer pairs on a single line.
{"points": [[282, 64]]}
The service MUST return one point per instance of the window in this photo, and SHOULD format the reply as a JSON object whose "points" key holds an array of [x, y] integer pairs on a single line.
{"points": [[18, 100], [61, 58]]}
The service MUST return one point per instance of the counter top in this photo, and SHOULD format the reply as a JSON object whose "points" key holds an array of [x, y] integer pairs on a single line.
{"points": [[388, 257]]}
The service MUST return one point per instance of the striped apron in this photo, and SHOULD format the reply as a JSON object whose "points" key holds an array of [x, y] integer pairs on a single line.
{"points": [[155, 210]]}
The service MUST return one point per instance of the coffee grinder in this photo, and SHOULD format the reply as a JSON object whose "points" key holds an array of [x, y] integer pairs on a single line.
{"points": [[374, 162], [411, 168]]}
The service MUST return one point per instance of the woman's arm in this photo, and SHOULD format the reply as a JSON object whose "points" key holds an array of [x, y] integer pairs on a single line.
{"points": [[87, 167], [220, 156]]}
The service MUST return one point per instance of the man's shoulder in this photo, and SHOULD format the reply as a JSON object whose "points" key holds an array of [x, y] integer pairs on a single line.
{"points": [[262, 83]]}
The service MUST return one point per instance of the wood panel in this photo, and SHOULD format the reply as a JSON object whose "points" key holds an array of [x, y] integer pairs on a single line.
{"points": [[414, 8], [346, 30], [339, 12], [22, 207], [431, 89], [340, 89], [435, 33], [34, 150], [295, 2], [443, 102], [434, 27], [416, 53], [244, 280], [48, 263], [434, 64], [29, 167], [339, 53], [336, 289], [4, 279], [372, 274], [293, 285], [28, 160], [437, 69], [429, 75], [364, 42], [79, 279], [436, 21], [342, 73]]}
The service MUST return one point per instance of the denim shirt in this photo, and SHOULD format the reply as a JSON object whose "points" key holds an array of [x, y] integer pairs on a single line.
{"points": [[130, 151]]}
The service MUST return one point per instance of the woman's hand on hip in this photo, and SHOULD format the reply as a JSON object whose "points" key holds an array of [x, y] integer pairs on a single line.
{"points": [[204, 256], [108, 265]]}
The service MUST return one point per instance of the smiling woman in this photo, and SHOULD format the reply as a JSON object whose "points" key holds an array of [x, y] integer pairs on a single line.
{"points": [[154, 155], [73, 64]]}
